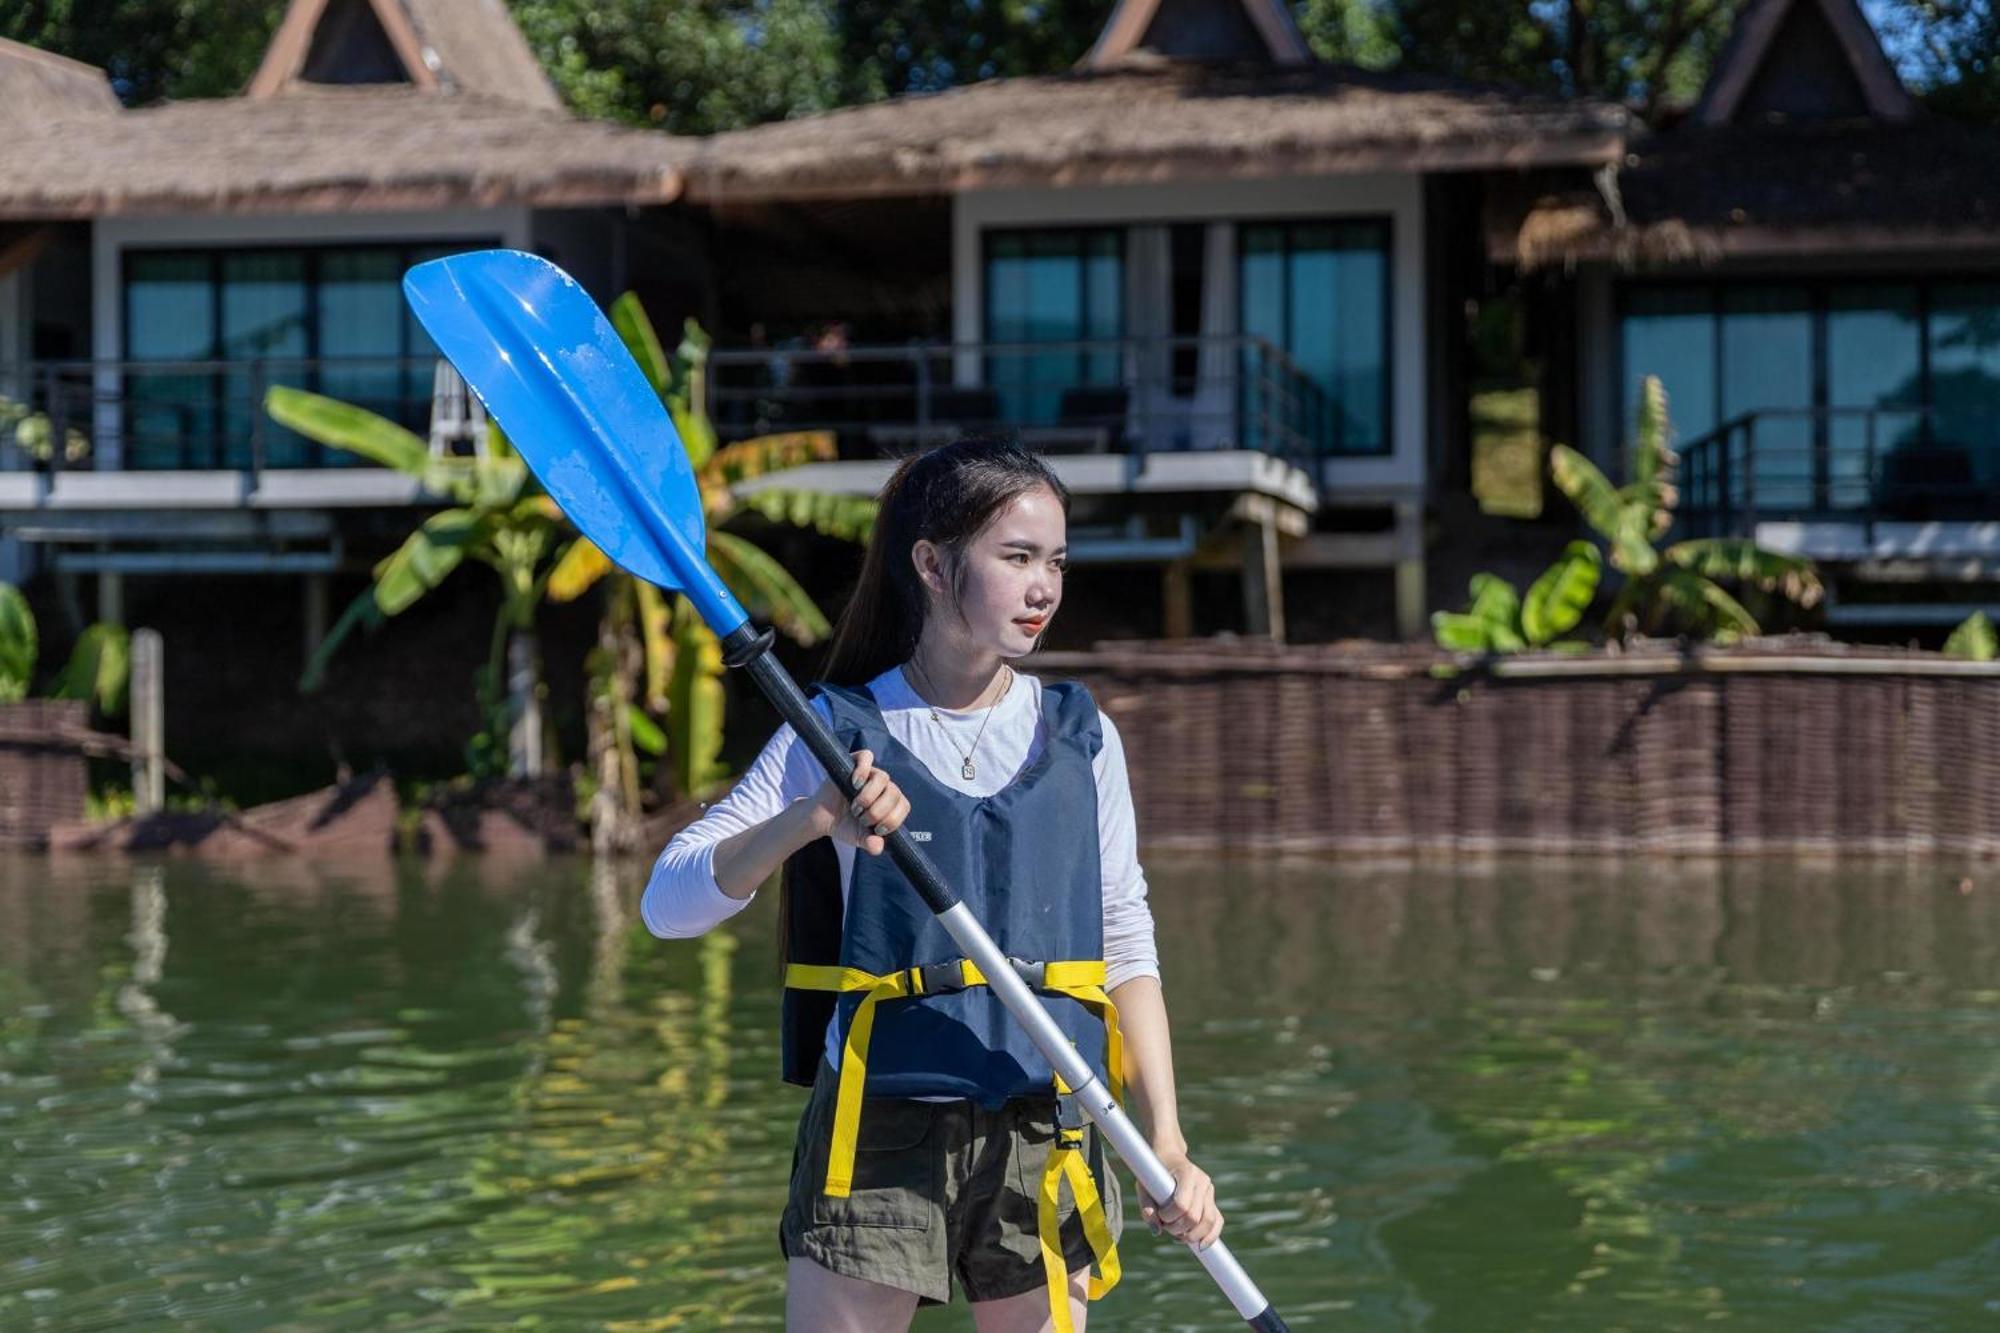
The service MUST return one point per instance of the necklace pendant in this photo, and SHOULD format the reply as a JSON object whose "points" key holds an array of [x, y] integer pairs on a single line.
{"points": [[967, 770]]}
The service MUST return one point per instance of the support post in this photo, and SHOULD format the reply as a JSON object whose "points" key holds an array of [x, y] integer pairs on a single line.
{"points": [[148, 708], [1411, 620], [1263, 581], [1177, 599], [111, 597]]}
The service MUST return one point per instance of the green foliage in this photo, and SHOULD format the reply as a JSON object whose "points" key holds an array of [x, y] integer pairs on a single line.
{"points": [[1974, 640], [1500, 620], [19, 645], [153, 48], [99, 669], [691, 66]]}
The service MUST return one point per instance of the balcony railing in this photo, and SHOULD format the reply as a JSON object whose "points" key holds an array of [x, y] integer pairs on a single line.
{"points": [[1858, 464], [1126, 395], [193, 415]]}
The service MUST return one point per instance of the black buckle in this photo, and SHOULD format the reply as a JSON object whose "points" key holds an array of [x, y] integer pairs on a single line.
{"points": [[1035, 975], [1070, 1118], [942, 978]]}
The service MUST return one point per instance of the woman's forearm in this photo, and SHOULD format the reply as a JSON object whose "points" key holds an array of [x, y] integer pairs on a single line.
{"points": [[1149, 1063], [744, 860]]}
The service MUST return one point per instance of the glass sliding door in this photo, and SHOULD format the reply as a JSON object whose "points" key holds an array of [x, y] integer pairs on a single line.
{"points": [[1064, 288], [1767, 368], [1965, 374], [170, 315], [1319, 292], [1874, 371], [264, 309], [360, 313]]}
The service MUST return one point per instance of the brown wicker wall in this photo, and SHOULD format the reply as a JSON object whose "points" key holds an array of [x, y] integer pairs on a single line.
{"points": [[1771, 746], [43, 774]]}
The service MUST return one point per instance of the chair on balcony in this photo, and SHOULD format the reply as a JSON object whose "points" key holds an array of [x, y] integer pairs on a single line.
{"points": [[1089, 418], [954, 409], [458, 418], [1930, 482]]}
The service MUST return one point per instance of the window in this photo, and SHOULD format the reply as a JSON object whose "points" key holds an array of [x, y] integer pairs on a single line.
{"points": [[1319, 292], [330, 320], [1840, 375], [1054, 287]]}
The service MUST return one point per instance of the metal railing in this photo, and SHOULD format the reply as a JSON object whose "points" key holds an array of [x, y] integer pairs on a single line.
{"points": [[1123, 395], [1859, 464], [192, 415]]}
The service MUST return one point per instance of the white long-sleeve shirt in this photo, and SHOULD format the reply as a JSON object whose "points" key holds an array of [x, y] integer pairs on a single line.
{"points": [[683, 900]]}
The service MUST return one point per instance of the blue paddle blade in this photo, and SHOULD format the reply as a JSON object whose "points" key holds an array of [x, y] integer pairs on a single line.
{"points": [[561, 383]]}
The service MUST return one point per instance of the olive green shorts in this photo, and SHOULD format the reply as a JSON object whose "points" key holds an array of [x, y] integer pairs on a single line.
{"points": [[941, 1190]]}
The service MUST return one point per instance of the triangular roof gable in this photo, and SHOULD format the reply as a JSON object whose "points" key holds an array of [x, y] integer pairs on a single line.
{"points": [[1136, 25], [286, 58], [1748, 59]]}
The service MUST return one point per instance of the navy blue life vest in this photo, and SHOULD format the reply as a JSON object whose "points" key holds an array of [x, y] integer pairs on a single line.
{"points": [[1025, 862]]}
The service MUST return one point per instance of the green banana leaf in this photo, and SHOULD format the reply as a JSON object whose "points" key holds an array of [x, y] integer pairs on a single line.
{"points": [[425, 558], [1557, 600], [99, 669], [345, 426], [766, 589], [19, 644], [1974, 639]]}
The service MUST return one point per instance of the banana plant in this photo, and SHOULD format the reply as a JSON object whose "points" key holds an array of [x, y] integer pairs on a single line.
{"points": [[1975, 639], [656, 658], [99, 668], [1678, 585], [497, 518], [1500, 620]]}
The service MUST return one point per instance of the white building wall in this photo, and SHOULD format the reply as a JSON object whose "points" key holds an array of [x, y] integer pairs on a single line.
{"points": [[1396, 197]]}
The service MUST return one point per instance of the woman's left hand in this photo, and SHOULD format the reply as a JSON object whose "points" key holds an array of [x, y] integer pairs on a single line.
{"points": [[1191, 1215]]}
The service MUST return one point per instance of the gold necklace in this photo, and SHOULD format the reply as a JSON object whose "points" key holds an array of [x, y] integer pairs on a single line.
{"points": [[967, 767]]}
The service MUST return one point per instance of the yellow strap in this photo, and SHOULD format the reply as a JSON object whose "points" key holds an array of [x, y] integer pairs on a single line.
{"points": [[1067, 1161], [1081, 980]]}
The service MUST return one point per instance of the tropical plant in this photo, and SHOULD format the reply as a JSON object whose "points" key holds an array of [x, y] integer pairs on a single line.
{"points": [[657, 659], [1500, 620], [1974, 639], [1678, 586], [99, 667], [497, 518], [35, 435]]}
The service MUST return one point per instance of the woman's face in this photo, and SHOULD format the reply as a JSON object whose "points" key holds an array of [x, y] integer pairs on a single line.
{"points": [[1013, 576]]}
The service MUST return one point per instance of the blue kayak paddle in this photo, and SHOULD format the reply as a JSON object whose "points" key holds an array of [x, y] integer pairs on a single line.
{"points": [[559, 380]]}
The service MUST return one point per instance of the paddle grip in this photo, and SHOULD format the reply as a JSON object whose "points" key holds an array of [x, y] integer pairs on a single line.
{"points": [[749, 651]]}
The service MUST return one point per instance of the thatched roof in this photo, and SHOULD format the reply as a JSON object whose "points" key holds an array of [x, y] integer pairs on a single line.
{"points": [[331, 149], [1694, 195], [39, 86], [1161, 122], [462, 46]]}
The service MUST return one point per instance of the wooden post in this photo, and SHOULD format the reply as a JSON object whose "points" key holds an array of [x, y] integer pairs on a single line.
{"points": [[1263, 581], [148, 708], [1177, 598]]}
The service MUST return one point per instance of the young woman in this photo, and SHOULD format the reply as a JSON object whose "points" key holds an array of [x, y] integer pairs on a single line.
{"points": [[953, 1163]]}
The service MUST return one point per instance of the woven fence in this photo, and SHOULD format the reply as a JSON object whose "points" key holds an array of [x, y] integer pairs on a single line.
{"points": [[44, 775], [1773, 745]]}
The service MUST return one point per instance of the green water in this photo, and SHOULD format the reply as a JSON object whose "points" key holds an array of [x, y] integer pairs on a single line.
{"points": [[1451, 1098]]}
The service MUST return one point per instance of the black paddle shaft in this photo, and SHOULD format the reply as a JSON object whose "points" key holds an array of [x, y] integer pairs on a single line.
{"points": [[750, 651]]}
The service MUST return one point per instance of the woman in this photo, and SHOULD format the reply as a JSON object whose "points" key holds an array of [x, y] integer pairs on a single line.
{"points": [[950, 1166]]}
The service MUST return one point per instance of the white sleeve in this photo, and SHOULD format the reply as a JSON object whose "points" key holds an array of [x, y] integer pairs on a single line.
{"points": [[682, 899], [1129, 948]]}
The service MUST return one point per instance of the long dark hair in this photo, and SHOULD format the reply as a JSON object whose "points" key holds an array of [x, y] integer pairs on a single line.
{"points": [[946, 496]]}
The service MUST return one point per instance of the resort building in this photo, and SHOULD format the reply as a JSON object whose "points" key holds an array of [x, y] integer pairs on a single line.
{"points": [[1236, 293]]}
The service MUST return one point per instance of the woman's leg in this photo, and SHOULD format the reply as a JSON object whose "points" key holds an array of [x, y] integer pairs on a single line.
{"points": [[1029, 1312], [818, 1300]]}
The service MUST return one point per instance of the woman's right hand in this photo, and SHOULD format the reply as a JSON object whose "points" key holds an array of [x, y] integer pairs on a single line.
{"points": [[870, 817]]}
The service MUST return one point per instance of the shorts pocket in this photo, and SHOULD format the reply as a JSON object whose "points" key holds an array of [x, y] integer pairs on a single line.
{"points": [[898, 1169], [1034, 1141]]}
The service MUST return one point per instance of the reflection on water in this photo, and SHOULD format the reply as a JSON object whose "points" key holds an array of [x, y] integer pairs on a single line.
{"points": [[1549, 1096]]}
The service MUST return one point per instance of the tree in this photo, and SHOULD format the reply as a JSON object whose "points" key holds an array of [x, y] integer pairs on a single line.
{"points": [[689, 66], [1948, 51], [152, 48], [1648, 53]]}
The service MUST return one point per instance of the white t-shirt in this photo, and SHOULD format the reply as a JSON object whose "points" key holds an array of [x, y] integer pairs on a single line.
{"points": [[682, 899]]}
